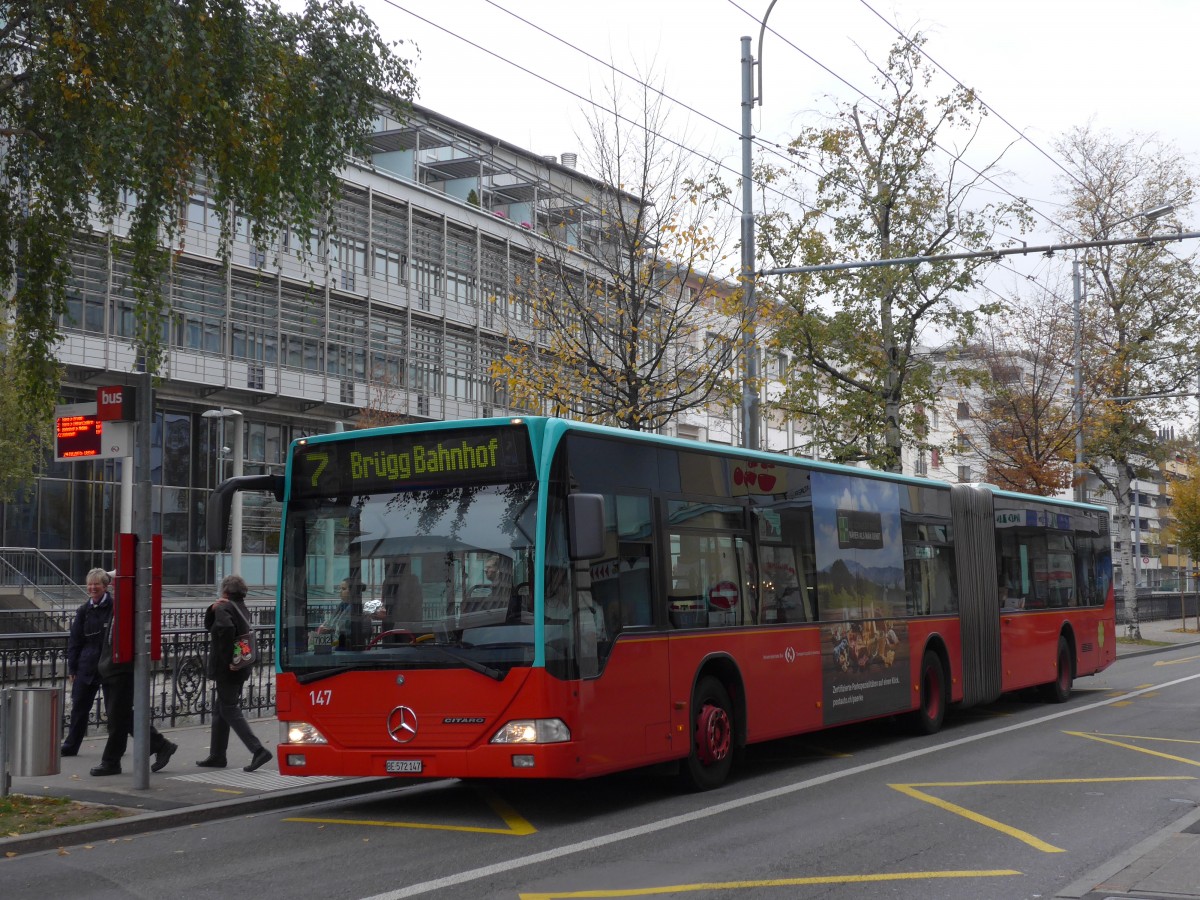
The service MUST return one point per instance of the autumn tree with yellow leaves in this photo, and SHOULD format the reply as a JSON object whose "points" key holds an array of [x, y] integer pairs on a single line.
{"points": [[1139, 313], [633, 313]]}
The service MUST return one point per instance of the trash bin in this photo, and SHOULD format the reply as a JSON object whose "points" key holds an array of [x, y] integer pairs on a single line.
{"points": [[35, 731]]}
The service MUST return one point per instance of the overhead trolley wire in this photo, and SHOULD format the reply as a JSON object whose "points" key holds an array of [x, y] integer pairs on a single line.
{"points": [[587, 100]]}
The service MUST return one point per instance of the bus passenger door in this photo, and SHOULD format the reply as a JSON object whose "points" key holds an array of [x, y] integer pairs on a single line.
{"points": [[623, 700]]}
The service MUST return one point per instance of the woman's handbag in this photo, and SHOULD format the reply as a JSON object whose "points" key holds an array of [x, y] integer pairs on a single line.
{"points": [[244, 651]]}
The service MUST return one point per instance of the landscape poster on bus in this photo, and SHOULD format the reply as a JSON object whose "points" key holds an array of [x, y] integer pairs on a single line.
{"points": [[865, 648]]}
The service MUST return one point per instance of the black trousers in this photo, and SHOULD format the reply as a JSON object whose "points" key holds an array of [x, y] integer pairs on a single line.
{"points": [[83, 697], [118, 703], [227, 714]]}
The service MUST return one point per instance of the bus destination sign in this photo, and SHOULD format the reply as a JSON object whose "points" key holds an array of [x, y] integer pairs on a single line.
{"points": [[401, 461]]}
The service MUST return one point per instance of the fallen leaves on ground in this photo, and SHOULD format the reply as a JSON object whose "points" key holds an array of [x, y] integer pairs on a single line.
{"points": [[20, 814]]}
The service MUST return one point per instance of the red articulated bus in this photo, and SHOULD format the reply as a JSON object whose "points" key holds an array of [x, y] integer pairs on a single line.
{"points": [[538, 598]]}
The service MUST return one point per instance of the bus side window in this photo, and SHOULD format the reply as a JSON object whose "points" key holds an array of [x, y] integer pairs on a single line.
{"points": [[620, 581], [686, 603]]}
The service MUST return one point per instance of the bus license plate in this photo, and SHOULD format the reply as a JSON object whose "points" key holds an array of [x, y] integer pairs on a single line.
{"points": [[404, 765]]}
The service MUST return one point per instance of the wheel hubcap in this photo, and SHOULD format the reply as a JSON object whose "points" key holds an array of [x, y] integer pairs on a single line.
{"points": [[713, 734]]}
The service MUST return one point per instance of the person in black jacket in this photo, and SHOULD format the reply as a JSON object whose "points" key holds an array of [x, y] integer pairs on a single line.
{"points": [[83, 656], [225, 620], [118, 703]]}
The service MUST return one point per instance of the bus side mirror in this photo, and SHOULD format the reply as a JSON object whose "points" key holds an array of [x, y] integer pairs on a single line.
{"points": [[221, 502], [585, 525]]}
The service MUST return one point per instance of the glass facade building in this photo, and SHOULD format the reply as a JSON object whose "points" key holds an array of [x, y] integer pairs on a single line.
{"points": [[399, 310]]}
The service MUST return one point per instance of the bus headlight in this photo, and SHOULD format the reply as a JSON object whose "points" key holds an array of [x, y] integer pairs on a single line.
{"points": [[533, 731], [300, 733]]}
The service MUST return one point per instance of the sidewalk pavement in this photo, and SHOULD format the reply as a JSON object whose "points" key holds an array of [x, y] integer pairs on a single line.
{"points": [[1165, 864], [180, 794]]}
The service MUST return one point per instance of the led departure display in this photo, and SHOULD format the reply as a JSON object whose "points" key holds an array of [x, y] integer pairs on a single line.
{"points": [[77, 437], [402, 461]]}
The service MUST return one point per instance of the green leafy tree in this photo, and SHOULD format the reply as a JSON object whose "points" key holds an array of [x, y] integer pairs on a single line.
{"points": [[632, 321], [110, 111], [1139, 315], [885, 188]]}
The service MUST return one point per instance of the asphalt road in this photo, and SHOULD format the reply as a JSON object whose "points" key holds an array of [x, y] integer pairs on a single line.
{"points": [[1016, 800]]}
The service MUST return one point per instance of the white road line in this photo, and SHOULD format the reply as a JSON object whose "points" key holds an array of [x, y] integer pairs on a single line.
{"points": [[533, 859]]}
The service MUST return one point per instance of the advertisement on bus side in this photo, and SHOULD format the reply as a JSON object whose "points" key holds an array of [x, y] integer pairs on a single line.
{"points": [[864, 669]]}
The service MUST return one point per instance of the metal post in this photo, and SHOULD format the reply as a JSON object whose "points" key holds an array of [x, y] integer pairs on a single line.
{"points": [[750, 437], [235, 518], [1080, 486], [5, 741], [127, 494]]}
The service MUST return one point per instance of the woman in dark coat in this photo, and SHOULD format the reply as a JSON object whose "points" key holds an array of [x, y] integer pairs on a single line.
{"points": [[225, 620]]}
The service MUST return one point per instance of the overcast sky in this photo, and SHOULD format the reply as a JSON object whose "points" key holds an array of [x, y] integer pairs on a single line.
{"points": [[523, 70]]}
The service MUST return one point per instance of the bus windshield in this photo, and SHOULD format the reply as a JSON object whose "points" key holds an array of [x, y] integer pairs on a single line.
{"points": [[428, 577]]}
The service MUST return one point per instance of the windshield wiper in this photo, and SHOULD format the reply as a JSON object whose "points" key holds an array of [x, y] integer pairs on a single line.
{"points": [[473, 665], [310, 677]]}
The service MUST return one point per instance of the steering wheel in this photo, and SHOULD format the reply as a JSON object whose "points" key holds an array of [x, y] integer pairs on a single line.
{"points": [[393, 636]]}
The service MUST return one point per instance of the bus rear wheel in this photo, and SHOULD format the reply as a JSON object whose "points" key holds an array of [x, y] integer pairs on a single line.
{"points": [[711, 754], [931, 705], [1059, 690]]}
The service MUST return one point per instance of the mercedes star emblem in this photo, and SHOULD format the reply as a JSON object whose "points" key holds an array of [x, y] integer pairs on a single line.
{"points": [[402, 724]]}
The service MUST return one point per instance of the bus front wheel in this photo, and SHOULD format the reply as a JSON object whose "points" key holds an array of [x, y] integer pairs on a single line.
{"points": [[711, 754], [1058, 690], [931, 704]]}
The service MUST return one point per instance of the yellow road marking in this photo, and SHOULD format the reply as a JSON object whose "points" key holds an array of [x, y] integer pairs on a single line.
{"points": [[1175, 662], [226, 791], [1025, 837], [1136, 737], [773, 882], [1106, 739], [515, 824]]}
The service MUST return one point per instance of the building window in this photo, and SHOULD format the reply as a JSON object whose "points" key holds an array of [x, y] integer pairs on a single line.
{"points": [[964, 474]]}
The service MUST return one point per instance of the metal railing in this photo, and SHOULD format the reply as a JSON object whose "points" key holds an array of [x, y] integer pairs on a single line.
{"points": [[1155, 607], [23, 621], [28, 571], [180, 691]]}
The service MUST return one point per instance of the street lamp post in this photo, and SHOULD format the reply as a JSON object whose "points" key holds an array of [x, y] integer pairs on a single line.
{"points": [[751, 414], [749, 337], [235, 518]]}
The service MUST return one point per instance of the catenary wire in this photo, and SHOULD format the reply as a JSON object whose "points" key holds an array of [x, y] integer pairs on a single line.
{"points": [[588, 101], [872, 100]]}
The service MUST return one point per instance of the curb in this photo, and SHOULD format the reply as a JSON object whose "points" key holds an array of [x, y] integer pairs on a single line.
{"points": [[1096, 878], [189, 815], [1148, 650]]}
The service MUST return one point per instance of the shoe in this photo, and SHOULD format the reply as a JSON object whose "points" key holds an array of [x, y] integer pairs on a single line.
{"points": [[262, 756], [212, 762], [163, 756], [67, 751], [106, 769]]}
